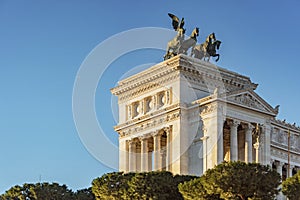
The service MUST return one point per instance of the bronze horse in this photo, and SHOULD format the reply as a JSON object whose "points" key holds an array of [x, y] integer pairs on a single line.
{"points": [[190, 42], [207, 49]]}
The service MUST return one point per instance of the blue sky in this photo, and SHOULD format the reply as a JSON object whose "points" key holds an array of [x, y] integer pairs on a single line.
{"points": [[42, 46]]}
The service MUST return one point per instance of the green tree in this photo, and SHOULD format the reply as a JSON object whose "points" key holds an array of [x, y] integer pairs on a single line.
{"points": [[154, 185], [235, 180], [19, 193], [148, 185], [291, 187], [52, 191], [194, 190], [84, 194], [112, 186], [39, 191]]}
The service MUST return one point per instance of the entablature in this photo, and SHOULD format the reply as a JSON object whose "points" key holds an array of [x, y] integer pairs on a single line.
{"points": [[200, 72], [147, 121]]}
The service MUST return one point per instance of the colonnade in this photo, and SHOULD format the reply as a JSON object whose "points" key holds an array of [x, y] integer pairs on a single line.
{"points": [[150, 152], [234, 141], [282, 169]]}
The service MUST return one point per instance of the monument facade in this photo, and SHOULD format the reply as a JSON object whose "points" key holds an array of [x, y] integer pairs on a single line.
{"points": [[186, 115]]}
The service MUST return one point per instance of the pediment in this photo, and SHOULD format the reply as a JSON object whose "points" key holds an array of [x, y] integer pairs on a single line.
{"points": [[251, 100]]}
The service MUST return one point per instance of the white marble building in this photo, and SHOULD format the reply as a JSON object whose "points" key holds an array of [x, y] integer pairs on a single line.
{"points": [[185, 116]]}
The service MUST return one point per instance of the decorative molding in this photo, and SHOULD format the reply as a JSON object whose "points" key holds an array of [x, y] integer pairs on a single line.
{"points": [[181, 65], [286, 125], [147, 125], [283, 155], [247, 100]]}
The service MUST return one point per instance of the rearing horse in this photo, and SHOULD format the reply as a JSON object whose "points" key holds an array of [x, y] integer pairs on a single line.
{"points": [[207, 49], [174, 44], [190, 42]]}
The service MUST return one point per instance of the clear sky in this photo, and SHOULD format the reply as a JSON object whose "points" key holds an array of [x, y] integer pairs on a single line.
{"points": [[43, 44]]}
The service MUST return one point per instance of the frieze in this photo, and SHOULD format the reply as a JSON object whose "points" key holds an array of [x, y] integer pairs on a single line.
{"points": [[279, 137], [123, 132], [148, 116], [210, 108], [207, 109], [284, 155]]}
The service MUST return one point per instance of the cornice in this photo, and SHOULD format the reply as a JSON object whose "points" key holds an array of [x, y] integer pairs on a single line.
{"points": [[195, 69], [257, 104], [285, 125]]}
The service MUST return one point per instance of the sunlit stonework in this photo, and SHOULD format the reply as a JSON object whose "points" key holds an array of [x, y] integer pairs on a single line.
{"points": [[185, 115]]}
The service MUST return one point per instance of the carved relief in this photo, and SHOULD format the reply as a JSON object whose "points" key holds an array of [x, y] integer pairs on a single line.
{"points": [[284, 155], [247, 100], [149, 104], [135, 109], [274, 134], [129, 112], [161, 99], [208, 109]]}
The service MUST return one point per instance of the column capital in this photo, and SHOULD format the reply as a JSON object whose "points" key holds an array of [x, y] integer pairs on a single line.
{"points": [[143, 138], [249, 127], [167, 129], [131, 142], [234, 123], [155, 133], [279, 164]]}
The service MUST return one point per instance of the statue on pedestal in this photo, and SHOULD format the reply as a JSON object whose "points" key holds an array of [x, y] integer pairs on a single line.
{"points": [[180, 46]]}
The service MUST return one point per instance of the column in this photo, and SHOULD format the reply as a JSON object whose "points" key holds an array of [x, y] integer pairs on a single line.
{"points": [[279, 166], [144, 154], [163, 159], [248, 144], [156, 151], [266, 144], [291, 171], [204, 145], [132, 156], [169, 150], [123, 156], [221, 140], [279, 171], [233, 140]]}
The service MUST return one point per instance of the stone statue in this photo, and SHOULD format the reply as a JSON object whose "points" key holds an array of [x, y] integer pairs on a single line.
{"points": [[178, 45], [174, 44], [175, 22], [207, 49], [190, 42]]}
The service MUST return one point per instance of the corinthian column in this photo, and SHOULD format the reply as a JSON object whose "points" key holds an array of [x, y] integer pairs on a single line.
{"points": [[156, 153], [132, 156], [233, 140], [248, 143], [144, 154]]}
